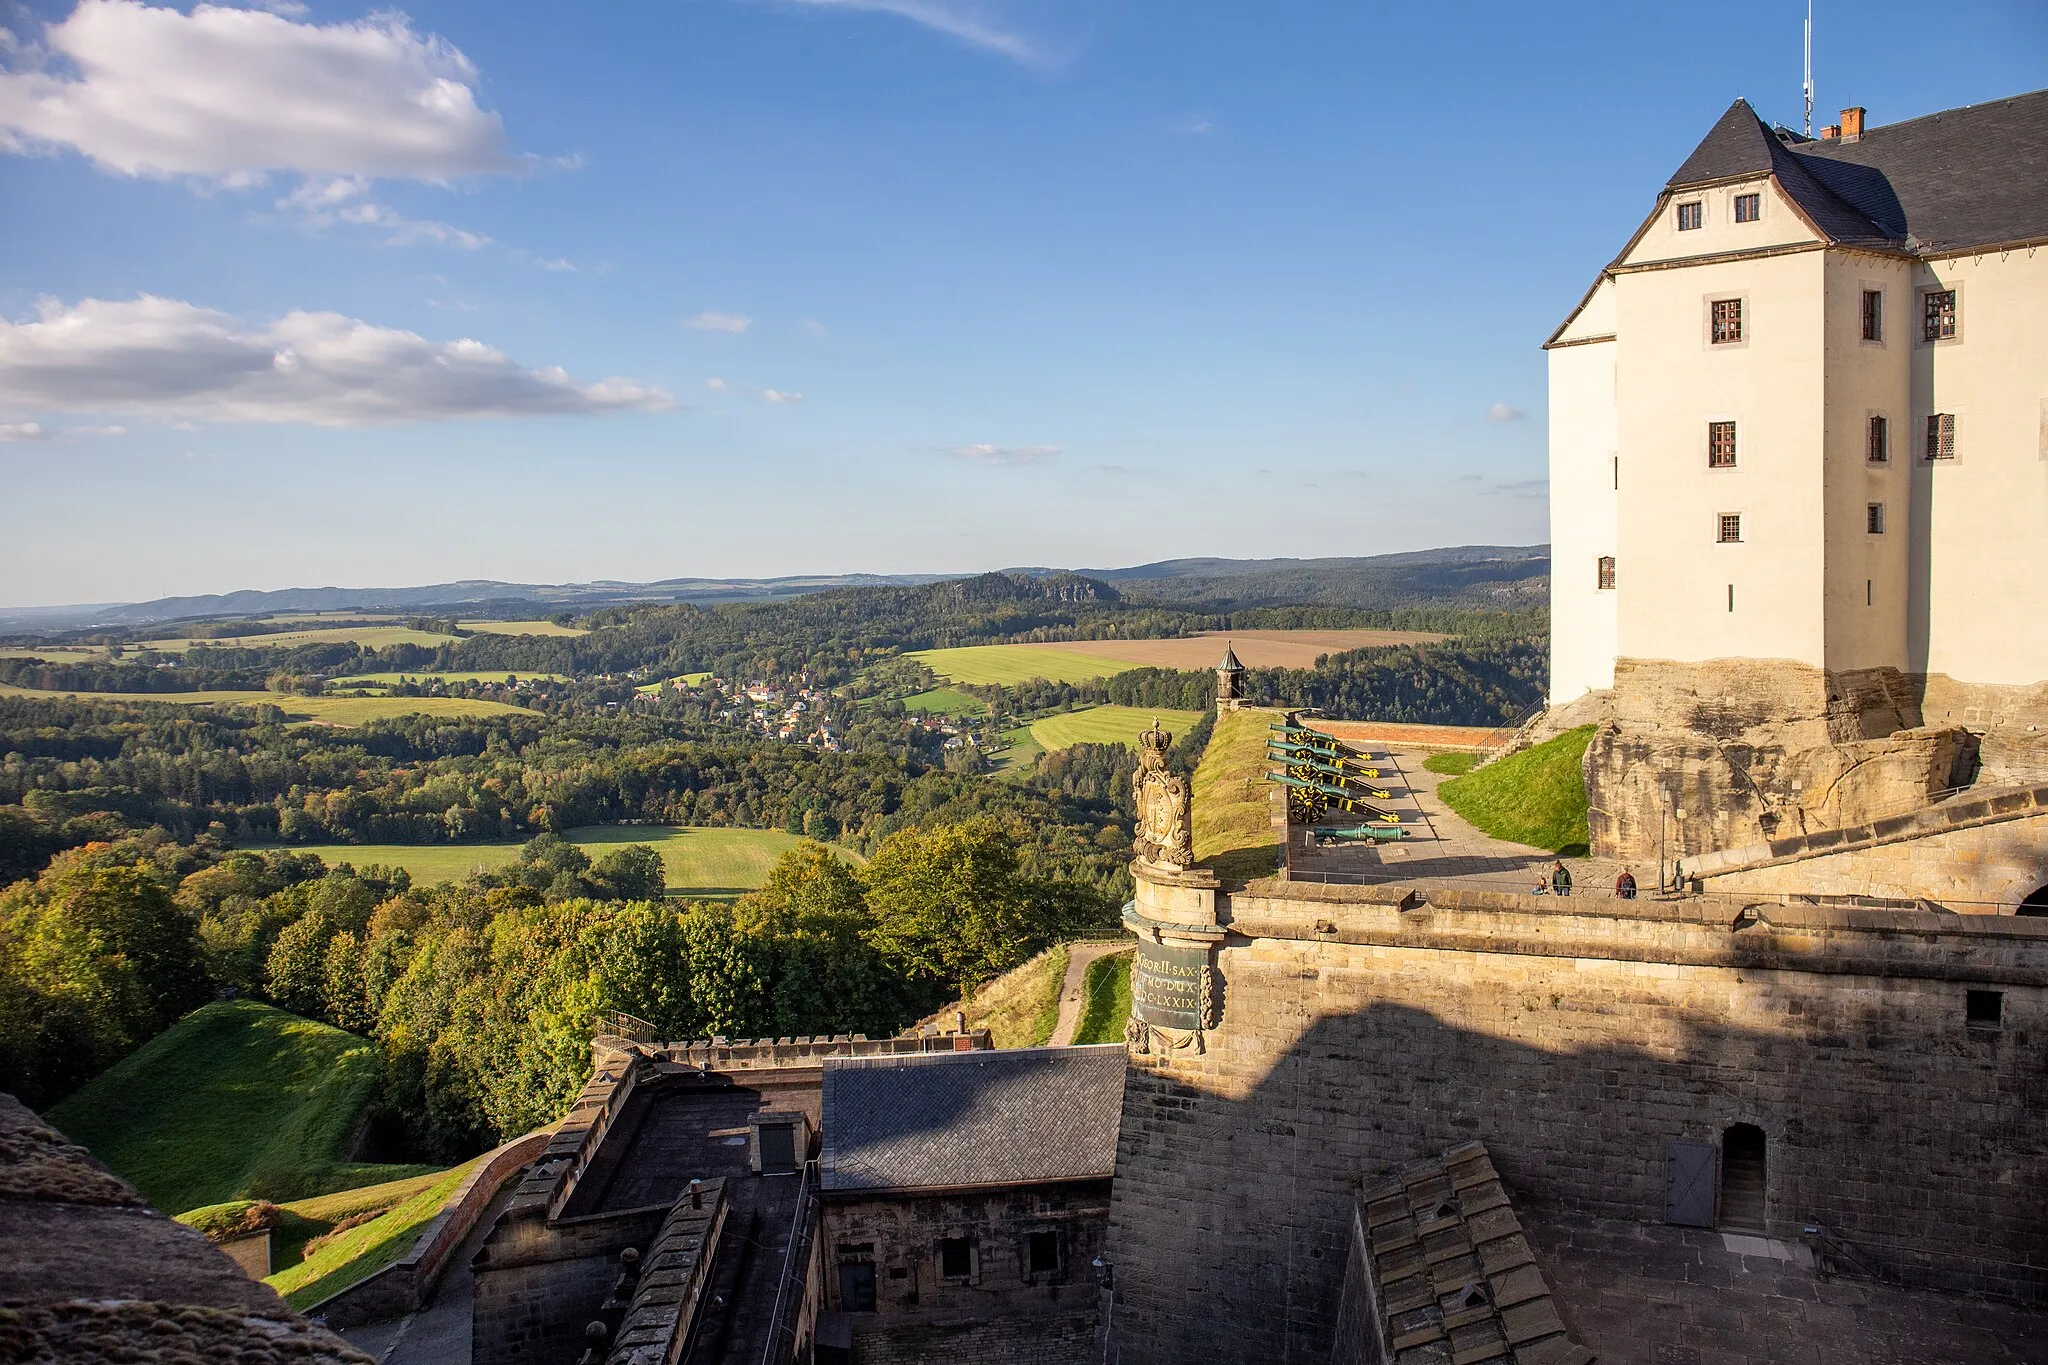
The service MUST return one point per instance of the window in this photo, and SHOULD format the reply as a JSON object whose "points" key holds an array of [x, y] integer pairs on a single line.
{"points": [[1730, 533], [1605, 572], [1938, 320], [1689, 216], [956, 1259], [1941, 436], [1042, 1253], [1727, 321], [1873, 315], [1748, 207], [1720, 445], [1878, 448], [1984, 1009], [1873, 518]]}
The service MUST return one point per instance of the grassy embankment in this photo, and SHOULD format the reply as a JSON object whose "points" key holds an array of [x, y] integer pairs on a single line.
{"points": [[1451, 763], [700, 862], [1105, 999], [1021, 1007], [1233, 811], [235, 1101], [1536, 797]]}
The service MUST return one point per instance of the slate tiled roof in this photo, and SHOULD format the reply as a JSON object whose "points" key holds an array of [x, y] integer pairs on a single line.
{"points": [[1452, 1277], [1975, 176], [1230, 663], [958, 1119]]}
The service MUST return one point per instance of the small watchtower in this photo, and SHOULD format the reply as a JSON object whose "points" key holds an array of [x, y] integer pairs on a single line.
{"points": [[1229, 681]]}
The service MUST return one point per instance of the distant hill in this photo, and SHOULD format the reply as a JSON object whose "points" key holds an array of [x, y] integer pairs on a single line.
{"points": [[1464, 575], [235, 1101]]}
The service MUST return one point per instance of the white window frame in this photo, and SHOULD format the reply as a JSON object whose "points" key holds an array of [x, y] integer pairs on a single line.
{"points": [[1678, 209], [1735, 207]]}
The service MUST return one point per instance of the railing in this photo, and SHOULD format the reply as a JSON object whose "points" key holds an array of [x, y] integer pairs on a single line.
{"points": [[789, 1292], [619, 1024]]}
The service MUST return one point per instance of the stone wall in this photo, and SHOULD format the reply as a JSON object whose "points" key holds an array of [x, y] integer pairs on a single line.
{"points": [[538, 1283], [1578, 1039], [1046, 1339]]}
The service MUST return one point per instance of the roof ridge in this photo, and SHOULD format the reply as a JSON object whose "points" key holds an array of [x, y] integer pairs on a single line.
{"points": [[1922, 118]]}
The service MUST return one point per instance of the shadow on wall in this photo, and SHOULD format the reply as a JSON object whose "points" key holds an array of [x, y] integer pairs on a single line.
{"points": [[1230, 1214]]}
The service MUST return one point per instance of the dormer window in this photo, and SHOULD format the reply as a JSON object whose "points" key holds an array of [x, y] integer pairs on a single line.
{"points": [[1689, 216], [1748, 207]]}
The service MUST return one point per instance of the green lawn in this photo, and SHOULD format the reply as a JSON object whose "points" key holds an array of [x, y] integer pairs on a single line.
{"points": [[700, 861], [1233, 813], [1536, 797], [946, 701], [235, 1101], [649, 689], [1024, 751], [1022, 1006], [1451, 763], [1106, 725], [358, 1252], [1105, 999], [1007, 664]]}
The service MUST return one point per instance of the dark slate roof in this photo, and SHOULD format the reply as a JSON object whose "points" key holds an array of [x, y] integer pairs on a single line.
{"points": [[1230, 663], [1453, 1277], [1975, 176], [941, 1120]]}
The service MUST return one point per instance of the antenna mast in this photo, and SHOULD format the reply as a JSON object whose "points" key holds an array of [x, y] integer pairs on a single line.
{"points": [[1808, 88]]}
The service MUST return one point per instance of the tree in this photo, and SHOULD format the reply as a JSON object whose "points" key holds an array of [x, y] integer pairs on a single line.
{"points": [[632, 873], [948, 903]]}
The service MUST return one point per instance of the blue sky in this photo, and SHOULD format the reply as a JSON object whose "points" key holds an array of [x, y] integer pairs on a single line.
{"points": [[323, 293]]}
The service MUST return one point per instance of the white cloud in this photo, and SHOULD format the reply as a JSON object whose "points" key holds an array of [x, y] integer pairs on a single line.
{"points": [[815, 329], [1194, 125], [229, 94], [175, 361], [709, 321], [1003, 455], [23, 431], [777, 396], [1501, 412], [962, 20], [715, 385]]}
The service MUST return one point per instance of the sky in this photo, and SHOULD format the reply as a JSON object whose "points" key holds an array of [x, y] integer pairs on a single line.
{"points": [[318, 293]]}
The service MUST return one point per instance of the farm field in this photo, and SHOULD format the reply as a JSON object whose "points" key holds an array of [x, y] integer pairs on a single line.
{"points": [[323, 710], [946, 701], [649, 689], [1023, 752], [420, 676], [1106, 725], [237, 1100], [55, 654], [699, 861], [520, 628], [1007, 664], [1254, 648], [370, 637]]}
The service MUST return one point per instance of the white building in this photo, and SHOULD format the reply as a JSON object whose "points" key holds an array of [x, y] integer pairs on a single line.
{"points": [[1803, 416]]}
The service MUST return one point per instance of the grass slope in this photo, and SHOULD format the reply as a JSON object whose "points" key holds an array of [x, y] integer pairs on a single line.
{"points": [[699, 862], [1105, 999], [946, 701], [1022, 753], [235, 1101], [1536, 797], [1021, 1007], [1106, 725], [1451, 763], [356, 1253], [1007, 664], [1233, 812]]}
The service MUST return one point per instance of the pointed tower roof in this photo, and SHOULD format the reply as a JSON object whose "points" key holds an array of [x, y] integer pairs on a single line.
{"points": [[1844, 207], [1738, 144], [1230, 663]]}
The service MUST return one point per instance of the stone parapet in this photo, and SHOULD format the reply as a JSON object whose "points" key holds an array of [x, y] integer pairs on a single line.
{"points": [[672, 1279]]}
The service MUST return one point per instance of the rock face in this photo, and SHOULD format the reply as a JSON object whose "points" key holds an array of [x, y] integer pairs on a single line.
{"points": [[1736, 752]]}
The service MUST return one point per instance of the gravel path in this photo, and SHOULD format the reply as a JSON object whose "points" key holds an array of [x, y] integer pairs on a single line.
{"points": [[1079, 955]]}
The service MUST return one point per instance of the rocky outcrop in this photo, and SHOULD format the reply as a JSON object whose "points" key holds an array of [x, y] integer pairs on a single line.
{"points": [[1736, 752]]}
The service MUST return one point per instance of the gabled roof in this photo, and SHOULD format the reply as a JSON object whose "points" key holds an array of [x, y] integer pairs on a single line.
{"points": [[948, 1120], [1975, 176]]}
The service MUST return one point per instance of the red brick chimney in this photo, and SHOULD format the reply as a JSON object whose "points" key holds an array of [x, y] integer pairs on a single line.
{"points": [[1830, 133], [1852, 124]]}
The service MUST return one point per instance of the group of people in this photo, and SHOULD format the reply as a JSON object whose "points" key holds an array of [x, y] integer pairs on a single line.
{"points": [[1560, 883]]}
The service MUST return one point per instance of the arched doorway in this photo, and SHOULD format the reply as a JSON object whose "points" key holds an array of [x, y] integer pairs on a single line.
{"points": [[2036, 904], [1742, 1178]]}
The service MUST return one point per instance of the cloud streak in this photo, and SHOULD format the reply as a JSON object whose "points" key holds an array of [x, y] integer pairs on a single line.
{"points": [[173, 361], [712, 321], [996, 456], [963, 22], [1501, 412], [229, 94]]}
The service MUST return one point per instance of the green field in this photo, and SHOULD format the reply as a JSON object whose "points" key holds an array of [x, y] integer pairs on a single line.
{"points": [[649, 689], [1022, 753], [1536, 797], [235, 1101], [1105, 999], [1007, 664], [386, 679], [325, 710], [370, 637], [57, 654], [520, 628], [1106, 725], [700, 861], [946, 701]]}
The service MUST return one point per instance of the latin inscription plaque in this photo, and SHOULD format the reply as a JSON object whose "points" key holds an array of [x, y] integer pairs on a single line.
{"points": [[1166, 986]]}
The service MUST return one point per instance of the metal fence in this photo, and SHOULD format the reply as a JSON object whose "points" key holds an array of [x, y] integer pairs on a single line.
{"points": [[796, 1265]]}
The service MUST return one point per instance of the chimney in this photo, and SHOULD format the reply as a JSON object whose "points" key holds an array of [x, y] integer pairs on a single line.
{"points": [[1830, 133], [1852, 124]]}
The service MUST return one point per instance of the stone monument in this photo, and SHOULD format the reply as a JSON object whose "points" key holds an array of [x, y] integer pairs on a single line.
{"points": [[1173, 913]]}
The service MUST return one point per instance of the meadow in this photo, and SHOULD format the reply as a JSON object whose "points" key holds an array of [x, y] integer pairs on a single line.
{"points": [[699, 861], [1007, 664], [946, 701], [520, 628], [1106, 725], [649, 689], [387, 679], [343, 711], [370, 637]]}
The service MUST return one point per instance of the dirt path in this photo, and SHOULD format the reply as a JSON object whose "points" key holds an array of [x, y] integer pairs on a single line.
{"points": [[1079, 955]]}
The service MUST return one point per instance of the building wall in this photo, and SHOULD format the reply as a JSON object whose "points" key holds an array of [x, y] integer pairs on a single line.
{"points": [[1584, 476], [1577, 1040], [1977, 609], [537, 1283]]}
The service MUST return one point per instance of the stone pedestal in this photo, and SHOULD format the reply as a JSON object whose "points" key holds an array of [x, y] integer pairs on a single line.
{"points": [[1174, 996]]}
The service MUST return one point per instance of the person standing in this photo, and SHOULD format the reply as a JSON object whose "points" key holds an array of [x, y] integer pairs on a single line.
{"points": [[1625, 885], [1560, 879]]}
